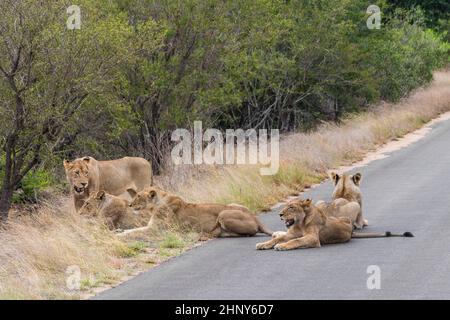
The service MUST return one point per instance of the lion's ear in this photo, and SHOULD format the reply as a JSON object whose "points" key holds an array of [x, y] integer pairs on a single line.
{"points": [[334, 177], [67, 164], [100, 195], [357, 178], [307, 202], [132, 192], [152, 194], [87, 159]]}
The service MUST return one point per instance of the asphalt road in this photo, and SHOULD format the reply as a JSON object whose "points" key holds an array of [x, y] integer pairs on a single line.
{"points": [[408, 191]]}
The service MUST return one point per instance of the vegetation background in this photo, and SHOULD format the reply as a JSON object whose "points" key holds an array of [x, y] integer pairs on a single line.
{"points": [[137, 69]]}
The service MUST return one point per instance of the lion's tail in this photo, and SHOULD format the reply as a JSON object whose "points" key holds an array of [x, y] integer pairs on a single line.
{"points": [[264, 229], [387, 234]]}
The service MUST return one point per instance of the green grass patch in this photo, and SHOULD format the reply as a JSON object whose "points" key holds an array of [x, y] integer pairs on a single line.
{"points": [[172, 241]]}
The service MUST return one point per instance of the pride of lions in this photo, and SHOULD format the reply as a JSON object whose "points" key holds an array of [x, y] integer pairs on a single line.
{"points": [[122, 193]]}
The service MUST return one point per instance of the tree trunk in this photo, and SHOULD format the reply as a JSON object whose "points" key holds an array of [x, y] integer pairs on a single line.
{"points": [[6, 190], [5, 201]]}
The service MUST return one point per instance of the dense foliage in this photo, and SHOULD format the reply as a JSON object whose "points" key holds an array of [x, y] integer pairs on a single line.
{"points": [[138, 69], [436, 12]]}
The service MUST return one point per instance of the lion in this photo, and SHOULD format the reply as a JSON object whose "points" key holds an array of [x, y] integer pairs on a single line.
{"points": [[341, 208], [86, 175], [347, 187], [212, 220], [114, 210], [309, 227]]}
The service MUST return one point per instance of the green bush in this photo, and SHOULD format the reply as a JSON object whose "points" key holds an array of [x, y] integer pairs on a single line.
{"points": [[31, 185], [266, 64], [404, 55]]}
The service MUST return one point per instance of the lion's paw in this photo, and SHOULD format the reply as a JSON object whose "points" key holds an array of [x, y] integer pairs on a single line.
{"points": [[263, 246], [281, 247], [278, 234]]}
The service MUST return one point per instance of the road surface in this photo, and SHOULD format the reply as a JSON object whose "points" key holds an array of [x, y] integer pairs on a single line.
{"points": [[407, 191]]}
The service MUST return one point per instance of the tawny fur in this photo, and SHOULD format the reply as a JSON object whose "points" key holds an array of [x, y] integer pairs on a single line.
{"points": [[340, 208], [211, 219], [114, 210], [347, 187], [308, 227], [86, 175]]}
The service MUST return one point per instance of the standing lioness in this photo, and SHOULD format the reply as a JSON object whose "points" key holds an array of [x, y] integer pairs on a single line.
{"points": [[86, 175]]}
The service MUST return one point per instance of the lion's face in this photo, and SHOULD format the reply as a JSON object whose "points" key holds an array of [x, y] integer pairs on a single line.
{"points": [[295, 212], [92, 205], [77, 173], [143, 199]]}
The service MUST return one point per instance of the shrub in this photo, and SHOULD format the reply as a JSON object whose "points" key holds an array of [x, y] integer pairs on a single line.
{"points": [[31, 185]]}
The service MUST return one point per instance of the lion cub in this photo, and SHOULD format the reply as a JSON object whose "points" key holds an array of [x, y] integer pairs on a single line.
{"points": [[346, 187], [213, 220], [114, 210]]}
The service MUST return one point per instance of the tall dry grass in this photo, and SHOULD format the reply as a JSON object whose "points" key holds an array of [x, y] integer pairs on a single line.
{"points": [[36, 249], [41, 251]]}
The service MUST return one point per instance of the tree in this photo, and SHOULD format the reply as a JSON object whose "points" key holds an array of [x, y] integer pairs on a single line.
{"points": [[260, 64], [49, 77], [178, 71]]}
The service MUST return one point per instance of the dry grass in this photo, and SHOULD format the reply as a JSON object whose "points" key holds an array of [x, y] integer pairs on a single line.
{"points": [[37, 249]]}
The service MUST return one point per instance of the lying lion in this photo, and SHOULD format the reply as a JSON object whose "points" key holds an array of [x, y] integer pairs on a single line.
{"points": [[309, 227], [213, 220], [341, 208], [114, 210], [347, 191]]}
